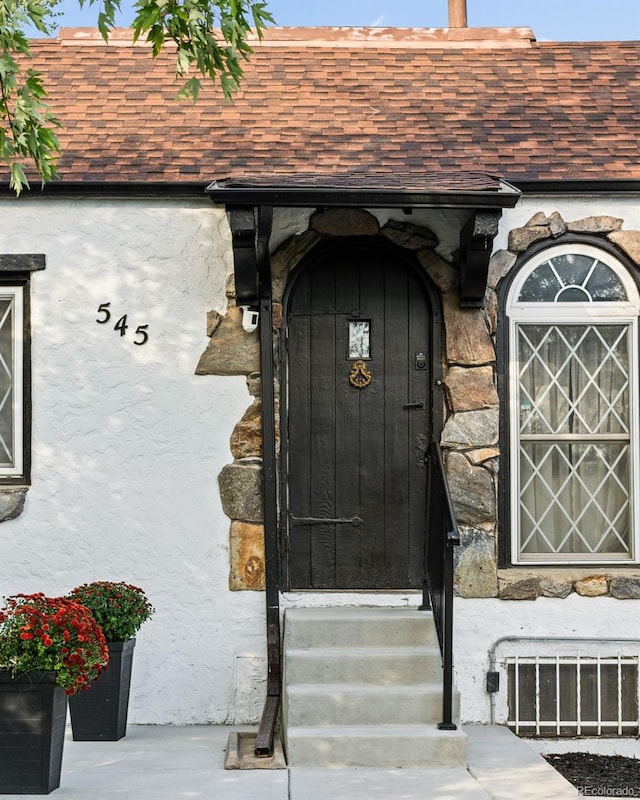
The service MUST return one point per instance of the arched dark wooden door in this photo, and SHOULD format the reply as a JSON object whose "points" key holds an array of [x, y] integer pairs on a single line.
{"points": [[358, 415]]}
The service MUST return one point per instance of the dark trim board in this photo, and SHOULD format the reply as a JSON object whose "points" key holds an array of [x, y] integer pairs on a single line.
{"points": [[21, 263], [578, 186]]}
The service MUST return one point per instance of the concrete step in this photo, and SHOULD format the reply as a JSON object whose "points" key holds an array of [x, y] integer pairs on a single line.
{"points": [[347, 704], [375, 746], [362, 627], [389, 666], [363, 687]]}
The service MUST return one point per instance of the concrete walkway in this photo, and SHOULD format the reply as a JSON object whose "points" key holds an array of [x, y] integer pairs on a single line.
{"points": [[170, 763]]}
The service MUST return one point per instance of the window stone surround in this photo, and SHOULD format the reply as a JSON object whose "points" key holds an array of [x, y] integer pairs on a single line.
{"points": [[471, 408], [529, 583]]}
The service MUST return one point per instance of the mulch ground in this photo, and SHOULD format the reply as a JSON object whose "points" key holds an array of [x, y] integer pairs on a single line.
{"points": [[599, 776]]}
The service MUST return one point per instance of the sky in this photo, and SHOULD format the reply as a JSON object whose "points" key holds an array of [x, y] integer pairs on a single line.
{"points": [[556, 20]]}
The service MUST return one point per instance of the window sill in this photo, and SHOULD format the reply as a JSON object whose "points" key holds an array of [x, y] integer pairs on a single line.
{"points": [[529, 583]]}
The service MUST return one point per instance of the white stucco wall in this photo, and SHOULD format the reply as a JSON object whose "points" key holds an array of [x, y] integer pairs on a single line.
{"points": [[128, 442]]}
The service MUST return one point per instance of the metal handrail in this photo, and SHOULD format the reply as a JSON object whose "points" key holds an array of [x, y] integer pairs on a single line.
{"points": [[442, 536]]}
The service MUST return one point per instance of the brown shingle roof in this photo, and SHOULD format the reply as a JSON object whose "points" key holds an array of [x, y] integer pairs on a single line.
{"points": [[350, 101]]}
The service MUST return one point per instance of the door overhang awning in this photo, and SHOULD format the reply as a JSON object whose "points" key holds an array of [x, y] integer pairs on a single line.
{"points": [[248, 198], [397, 190]]}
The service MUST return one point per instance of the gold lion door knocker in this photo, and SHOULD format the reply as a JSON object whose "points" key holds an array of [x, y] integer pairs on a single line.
{"points": [[360, 375]]}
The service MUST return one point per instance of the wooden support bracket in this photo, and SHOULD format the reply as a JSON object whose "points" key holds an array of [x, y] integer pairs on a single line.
{"points": [[245, 267], [476, 244]]}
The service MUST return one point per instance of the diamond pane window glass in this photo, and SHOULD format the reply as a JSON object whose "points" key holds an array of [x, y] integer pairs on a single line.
{"points": [[7, 373], [574, 379], [573, 350], [574, 498]]}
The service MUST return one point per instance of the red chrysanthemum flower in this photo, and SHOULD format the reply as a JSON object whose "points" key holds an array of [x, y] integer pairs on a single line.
{"points": [[52, 633]]}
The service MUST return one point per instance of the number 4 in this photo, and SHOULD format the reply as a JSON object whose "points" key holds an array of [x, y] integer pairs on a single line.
{"points": [[121, 325]]}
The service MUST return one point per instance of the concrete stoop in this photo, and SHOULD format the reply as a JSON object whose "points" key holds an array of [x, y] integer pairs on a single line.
{"points": [[362, 687]]}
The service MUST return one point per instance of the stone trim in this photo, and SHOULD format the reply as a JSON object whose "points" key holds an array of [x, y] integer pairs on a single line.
{"points": [[518, 583], [246, 556], [12, 500], [231, 350]]}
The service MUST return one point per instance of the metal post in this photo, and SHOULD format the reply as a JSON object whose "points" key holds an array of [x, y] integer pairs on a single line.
{"points": [[426, 599], [266, 730], [447, 723]]}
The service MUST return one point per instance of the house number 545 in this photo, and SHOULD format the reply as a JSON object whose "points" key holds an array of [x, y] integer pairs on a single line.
{"points": [[122, 325]]}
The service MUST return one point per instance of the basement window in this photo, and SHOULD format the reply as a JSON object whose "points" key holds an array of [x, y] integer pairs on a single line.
{"points": [[572, 313], [571, 696]]}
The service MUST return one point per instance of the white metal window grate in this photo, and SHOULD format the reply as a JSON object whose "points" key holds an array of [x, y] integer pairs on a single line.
{"points": [[574, 379], [574, 409], [555, 696]]}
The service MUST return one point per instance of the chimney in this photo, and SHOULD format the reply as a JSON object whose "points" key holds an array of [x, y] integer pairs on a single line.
{"points": [[457, 13]]}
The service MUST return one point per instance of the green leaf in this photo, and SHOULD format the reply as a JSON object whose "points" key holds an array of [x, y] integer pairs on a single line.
{"points": [[190, 90], [18, 180]]}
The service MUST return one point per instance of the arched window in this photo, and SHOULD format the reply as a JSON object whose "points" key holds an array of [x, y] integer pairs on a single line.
{"points": [[572, 315]]}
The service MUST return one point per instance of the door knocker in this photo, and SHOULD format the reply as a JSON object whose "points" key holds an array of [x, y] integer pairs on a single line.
{"points": [[360, 375]]}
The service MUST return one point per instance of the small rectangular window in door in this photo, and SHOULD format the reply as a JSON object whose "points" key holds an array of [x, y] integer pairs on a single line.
{"points": [[359, 338]]}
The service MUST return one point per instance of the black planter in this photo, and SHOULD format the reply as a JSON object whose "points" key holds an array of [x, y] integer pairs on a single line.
{"points": [[100, 712], [33, 714]]}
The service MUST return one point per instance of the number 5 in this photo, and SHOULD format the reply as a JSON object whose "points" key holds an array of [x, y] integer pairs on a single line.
{"points": [[103, 308], [141, 331]]}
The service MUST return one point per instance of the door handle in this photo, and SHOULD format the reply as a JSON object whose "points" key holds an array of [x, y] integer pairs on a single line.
{"points": [[355, 521], [413, 405]]}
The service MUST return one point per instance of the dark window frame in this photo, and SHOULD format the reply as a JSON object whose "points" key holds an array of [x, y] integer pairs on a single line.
{"points": [[15, 270]]}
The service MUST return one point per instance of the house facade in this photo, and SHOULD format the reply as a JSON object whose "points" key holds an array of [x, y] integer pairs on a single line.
{"points": [[231, 331]]}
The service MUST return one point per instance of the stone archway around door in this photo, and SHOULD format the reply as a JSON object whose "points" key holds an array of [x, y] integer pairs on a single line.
{"points": [[470, 433]]}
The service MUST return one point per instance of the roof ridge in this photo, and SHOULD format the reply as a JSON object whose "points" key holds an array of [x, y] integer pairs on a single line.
{"points": [[396, 37], [345, 36]]}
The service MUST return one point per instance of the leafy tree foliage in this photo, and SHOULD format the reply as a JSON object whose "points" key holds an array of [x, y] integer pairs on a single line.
{"points": [[210, 40]]}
